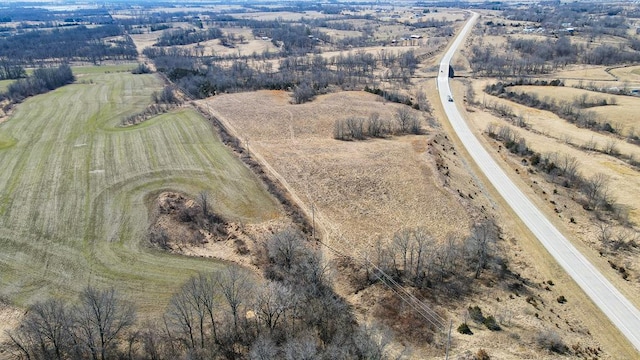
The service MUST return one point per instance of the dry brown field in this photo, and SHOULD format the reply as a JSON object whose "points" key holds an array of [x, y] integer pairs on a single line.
{"points": [[364, 189], [285, 15], [359, 191], [623, 114], [553, 134]]}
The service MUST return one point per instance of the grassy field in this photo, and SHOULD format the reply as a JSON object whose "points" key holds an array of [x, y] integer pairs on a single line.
{"points": [[4, 84], [75, 189], [360, 189]]}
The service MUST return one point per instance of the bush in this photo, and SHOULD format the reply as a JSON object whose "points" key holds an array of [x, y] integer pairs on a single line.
{"points": [[562, 299], [482, 355], [491, 324], [550, 340], [464, 329], [141, 69], [475, 313]]}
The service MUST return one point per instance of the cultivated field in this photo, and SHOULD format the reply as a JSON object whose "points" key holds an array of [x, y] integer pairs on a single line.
{"points": [[76, 189]]}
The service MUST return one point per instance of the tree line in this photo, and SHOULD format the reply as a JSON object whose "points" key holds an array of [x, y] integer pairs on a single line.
{"points": [[78, 43], [202, 76], [523, 57], [572, 111], [293, 314], [184, 37], [41, 81], [564, 170]]}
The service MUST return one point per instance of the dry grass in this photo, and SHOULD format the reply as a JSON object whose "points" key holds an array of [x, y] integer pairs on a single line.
{"points": [[553, 134], [360, 190], [622, 115]]}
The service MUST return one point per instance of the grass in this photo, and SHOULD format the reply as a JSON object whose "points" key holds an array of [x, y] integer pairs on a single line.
{"points": [[76, 188], [4, 85]]}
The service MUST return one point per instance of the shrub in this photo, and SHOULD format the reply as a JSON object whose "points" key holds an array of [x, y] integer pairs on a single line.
{"points": [[464, 329], [550, 340], [482, 355], [491, 324], [562, 299], [475, 313]]}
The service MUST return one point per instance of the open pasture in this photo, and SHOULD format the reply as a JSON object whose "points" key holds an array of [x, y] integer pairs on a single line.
{"points": [[360, 189], [553, 134], [4, 84], [622, 114], [76, 188]]}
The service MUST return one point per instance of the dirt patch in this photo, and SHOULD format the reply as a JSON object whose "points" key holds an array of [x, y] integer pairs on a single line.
{"points": [[9, 319], [182, 226]]}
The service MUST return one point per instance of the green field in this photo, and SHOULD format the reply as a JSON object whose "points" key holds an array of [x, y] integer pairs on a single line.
{"points": [[4, 84], [75, 190]]}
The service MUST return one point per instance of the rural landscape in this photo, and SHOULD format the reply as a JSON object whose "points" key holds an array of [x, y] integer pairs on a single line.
{"points": [[290, 180]]}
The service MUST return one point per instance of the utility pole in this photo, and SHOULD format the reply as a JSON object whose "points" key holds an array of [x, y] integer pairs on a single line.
{"points": [[313, 221], [446, 356]]}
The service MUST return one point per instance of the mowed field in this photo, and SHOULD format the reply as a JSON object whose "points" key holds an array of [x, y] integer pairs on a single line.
{"points": [[75, 190], [4, 84], [360, 190]]}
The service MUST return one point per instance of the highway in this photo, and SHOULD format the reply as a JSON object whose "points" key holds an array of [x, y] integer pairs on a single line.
{"points": [[613, 304]]}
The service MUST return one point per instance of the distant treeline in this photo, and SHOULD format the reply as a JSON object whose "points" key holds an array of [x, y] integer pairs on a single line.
{"points": [[527, 57], [78, 43], [18, 13], [42, 80], [202, 76], [10, 70], [184, 37]]}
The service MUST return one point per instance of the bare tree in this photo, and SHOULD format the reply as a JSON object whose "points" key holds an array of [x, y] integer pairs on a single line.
{"points": [[596, 190], [569, 166], [284, 246], [203, 199], [263, 349], [356, 128], [187, 313], [423, 103], [235, 285], [272, 302], [404, 118], [480, 245], [100, 318], [611, 147], [374, 125], [45, 333]]}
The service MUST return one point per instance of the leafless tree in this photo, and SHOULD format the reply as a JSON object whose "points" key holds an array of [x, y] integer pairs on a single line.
{"points": [[45, 333], [404, 118], [301, 348], [203, 199], [480, 245], [374, 125], [356, 128], [423, 103], [284, 246], [187, 313], [569, 166], [235, 284], [611, 147], [596, 190], [101, 317], [272, 302], [263, 349]]}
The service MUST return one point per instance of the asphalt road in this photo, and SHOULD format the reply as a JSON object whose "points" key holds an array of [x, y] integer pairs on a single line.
{"points": [[613, 304]]}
